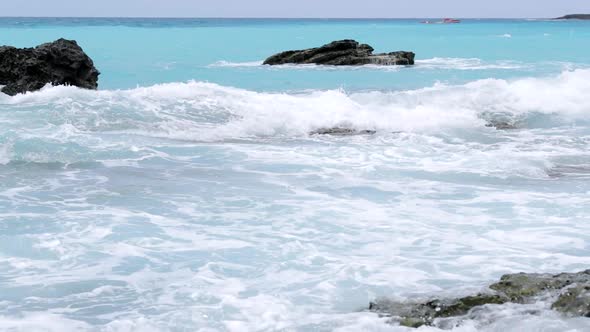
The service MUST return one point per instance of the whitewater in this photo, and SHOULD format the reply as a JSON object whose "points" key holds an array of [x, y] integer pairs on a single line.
{"points": [[189, 192]]}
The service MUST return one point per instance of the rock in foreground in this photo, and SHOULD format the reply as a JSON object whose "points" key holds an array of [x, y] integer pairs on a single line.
{"points": [[570, 293], [341, 53], [61, 62], [575, 17]]}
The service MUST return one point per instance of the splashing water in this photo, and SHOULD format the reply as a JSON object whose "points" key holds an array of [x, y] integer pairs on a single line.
{"points": [[187, 205]]}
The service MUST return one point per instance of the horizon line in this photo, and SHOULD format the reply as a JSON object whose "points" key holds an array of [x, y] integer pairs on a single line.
{"points": [[280, 18]]}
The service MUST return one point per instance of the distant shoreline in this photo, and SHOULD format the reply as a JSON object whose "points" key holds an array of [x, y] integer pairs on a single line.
{"points": [[575, 17], [566, 17]]}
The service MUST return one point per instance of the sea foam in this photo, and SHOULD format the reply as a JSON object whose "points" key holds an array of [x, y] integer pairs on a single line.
{"points": [[205, 111]]}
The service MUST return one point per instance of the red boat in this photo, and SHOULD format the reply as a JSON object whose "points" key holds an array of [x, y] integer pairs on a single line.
{"points": [[444, 21]]}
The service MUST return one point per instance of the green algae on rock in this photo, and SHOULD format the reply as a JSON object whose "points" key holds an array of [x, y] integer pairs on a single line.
{"points": [[418, 314], [571, 291], [574, 301]]}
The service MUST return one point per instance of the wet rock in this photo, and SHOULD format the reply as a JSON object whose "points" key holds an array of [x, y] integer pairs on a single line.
{"points": [[574, 301], [502, 120], [341, 53], [501, 125], [571, 292], [339, 131], [61, 62], [464, 305], [419, 314], [522, 286]]}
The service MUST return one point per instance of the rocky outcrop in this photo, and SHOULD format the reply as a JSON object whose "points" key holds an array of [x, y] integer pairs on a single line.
{"points": [[61, 62], [340, 131], [575, 17], [419, 314], [341, 53], [570, 293]]}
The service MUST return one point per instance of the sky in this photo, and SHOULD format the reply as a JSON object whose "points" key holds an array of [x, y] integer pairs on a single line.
{"points": [[299, 8]]}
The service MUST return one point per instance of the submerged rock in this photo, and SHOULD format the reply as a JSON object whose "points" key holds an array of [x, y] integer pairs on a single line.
{"points": [[559, 171], [61, 62], [341, 53], [575, 17], [570, 291], [501, 125], [502, 120], [338, 131]]}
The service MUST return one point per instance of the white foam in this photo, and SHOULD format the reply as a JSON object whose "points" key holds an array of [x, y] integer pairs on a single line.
{"points": [[236, 64], [295, 234], [198, 110], [5, 153], [41, 321], [468, 64], [310, 66], [433, 63]]}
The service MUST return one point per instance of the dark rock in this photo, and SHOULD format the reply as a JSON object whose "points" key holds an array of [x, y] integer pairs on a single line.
{"points": [[501, 125], [464, 305], [575, 17], [339, 131], [61, 62], [572, 291], [522, 287], [341, 53], [419, 314], [502, 120], [574, 301]]}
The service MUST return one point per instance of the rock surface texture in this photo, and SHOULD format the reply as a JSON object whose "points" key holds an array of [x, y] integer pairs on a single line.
{"points": [[569, 294], [342, 53], [61, 62]]}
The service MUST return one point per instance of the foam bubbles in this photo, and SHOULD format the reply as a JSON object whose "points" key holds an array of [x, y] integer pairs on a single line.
{"points": [[198, 111], [469, 64], [193, 205]]}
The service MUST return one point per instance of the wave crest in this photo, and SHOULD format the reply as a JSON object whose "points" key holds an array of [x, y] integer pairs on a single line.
{"points": [[200, 111]]}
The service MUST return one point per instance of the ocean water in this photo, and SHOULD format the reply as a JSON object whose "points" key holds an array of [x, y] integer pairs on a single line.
{"points": [[187, 194]]}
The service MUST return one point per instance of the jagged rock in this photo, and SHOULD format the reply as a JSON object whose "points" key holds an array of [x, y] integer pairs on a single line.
{"points": [[61, 62], [338, 131], [523, 286], [574, 301], [572, 291], [575, 17], [341, 53], [418, 314]]}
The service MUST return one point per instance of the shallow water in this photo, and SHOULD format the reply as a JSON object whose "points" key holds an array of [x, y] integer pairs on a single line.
{"points": [[187, 194]]}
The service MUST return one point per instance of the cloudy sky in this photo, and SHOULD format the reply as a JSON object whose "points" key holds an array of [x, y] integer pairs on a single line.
{"points": [[299, 8]]}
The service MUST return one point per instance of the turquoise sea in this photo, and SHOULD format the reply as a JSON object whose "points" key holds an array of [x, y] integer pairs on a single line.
{"points": [[187, 194]]}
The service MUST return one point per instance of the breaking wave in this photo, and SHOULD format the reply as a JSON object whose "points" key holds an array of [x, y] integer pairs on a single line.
{"points": [[68, 118]]}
